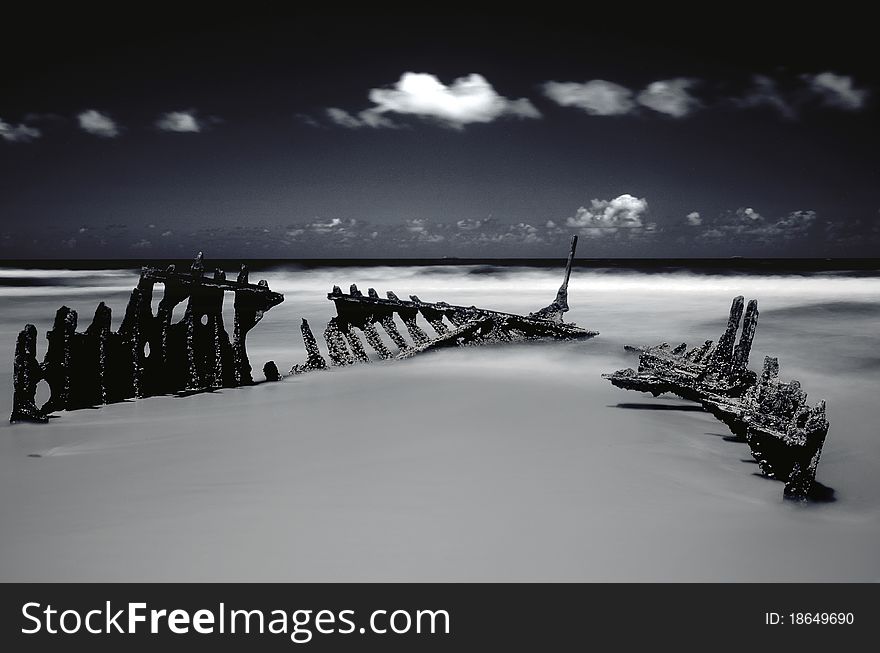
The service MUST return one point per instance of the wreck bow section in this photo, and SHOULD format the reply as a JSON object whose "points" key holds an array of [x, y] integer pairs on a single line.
{"points": [[148, 354], [452, 325], [784, 434]]}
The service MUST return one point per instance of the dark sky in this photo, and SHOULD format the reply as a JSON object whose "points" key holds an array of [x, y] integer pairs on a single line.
{"points": [[707, 133]]}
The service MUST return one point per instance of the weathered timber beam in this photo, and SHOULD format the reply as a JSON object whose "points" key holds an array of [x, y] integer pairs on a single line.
{"points": [[336, 346], [346, 304], [724, 350], [559, 305], [27, 373], [457, 337]]}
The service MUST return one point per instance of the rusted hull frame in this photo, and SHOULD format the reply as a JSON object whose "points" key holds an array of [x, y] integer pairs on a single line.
{"points": [[358, 310], [706, 370], [147, 355], [784, 435], [463, 325]]}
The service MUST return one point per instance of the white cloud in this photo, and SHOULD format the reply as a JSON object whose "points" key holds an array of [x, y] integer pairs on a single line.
{"points": [[748, 224], [332, 225], [416, 225], [18, 133], [837, 91], [466, 100], [343, 118], [143, 243], [764, 92], [98, 124], [670, 96], [179, 121], [596, 97], [470, 224], [610, 216], [306, 119], [693, 218], [422, 231], [796, 223], [366, 118], [749, 215]]}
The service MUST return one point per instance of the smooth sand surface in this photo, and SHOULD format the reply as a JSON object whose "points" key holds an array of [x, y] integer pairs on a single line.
{"points": [[499, 463]]}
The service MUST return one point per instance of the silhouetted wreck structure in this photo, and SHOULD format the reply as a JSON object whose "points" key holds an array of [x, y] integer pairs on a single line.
{"points": [[708, 369], [784, 434], [453, 325], [148, 354]]}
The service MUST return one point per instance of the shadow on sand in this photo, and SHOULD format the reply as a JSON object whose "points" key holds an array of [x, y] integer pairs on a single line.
{"points": [[819, 492], [689, 408]]}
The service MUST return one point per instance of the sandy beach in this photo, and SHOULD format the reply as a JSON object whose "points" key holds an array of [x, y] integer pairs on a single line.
{"points": [[499, 463]]}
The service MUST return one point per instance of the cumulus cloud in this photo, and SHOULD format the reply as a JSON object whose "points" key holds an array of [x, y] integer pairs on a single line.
{"points": [[838, 91], [693, 218], [333, 225], [98, 124], [466, 100], [749, 215], [670, 96], [747, 224], [597, 97], [179, 121], [610, 216], [764, 92], [18, 133]]}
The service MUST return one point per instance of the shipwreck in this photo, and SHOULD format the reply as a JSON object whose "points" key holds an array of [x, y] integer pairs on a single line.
{"points": [[453, 325], [148, 354], [784, 434]]}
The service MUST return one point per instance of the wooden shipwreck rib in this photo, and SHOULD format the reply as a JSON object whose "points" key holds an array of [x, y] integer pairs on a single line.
{"points": [[147, 355], [454, 325], [785, 435]]}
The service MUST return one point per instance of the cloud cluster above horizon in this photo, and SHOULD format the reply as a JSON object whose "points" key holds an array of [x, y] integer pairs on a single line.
{"points": [[605, 224], [677, 97], [102, 125], [472, 99]]}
